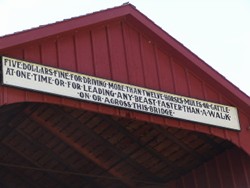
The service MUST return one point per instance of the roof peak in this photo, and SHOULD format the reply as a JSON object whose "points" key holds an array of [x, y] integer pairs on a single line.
{"points": [[126, 4], [132, 15]]}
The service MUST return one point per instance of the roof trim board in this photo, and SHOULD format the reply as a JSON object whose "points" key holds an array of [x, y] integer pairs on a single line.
{"points": [[63, 26]]}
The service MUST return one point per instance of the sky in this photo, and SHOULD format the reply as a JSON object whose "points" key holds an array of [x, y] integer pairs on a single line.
{"points": [[218, 31]]}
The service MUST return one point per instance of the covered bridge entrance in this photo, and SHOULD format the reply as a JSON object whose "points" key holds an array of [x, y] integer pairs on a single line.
{"points": [[111, 100]]}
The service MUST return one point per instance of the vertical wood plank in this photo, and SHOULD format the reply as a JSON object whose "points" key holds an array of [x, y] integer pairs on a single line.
{"points": [[237, 168], [132, 42], [224, 171], [32, 53], [188, 181], [149, 63], [213, 176], [101, 53], [117, 52], [195, 85], [67, 59], [165, 72], [244, 158], [49, 53], [180, 79], [66, 53], [200, 177], [84, 53], [49, 57]]}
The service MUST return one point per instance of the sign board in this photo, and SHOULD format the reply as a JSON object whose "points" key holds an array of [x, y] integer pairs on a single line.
{"points": [[27, 75]]}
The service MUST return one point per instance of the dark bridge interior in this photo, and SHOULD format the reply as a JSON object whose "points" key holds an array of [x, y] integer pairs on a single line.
{"points": [[43, 145]]}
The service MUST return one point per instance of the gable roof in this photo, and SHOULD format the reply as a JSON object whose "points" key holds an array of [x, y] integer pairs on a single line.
{"points": [[31, 126], [131, 14]]}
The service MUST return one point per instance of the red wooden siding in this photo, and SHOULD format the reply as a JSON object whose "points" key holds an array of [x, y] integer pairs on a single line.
{"points": [[131, 49], [118, 50], [230, 170]]}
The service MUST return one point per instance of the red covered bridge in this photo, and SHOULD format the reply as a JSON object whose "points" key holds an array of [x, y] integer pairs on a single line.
{"points": [[109, 99]]}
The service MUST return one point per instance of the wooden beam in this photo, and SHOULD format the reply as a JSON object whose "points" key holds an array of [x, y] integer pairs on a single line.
{"points": [[29, 160], [42, 147], [83, 151], [209, 140], [149, 176], [175, 168], [13, 172], [182, 145], [5, 130]]}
